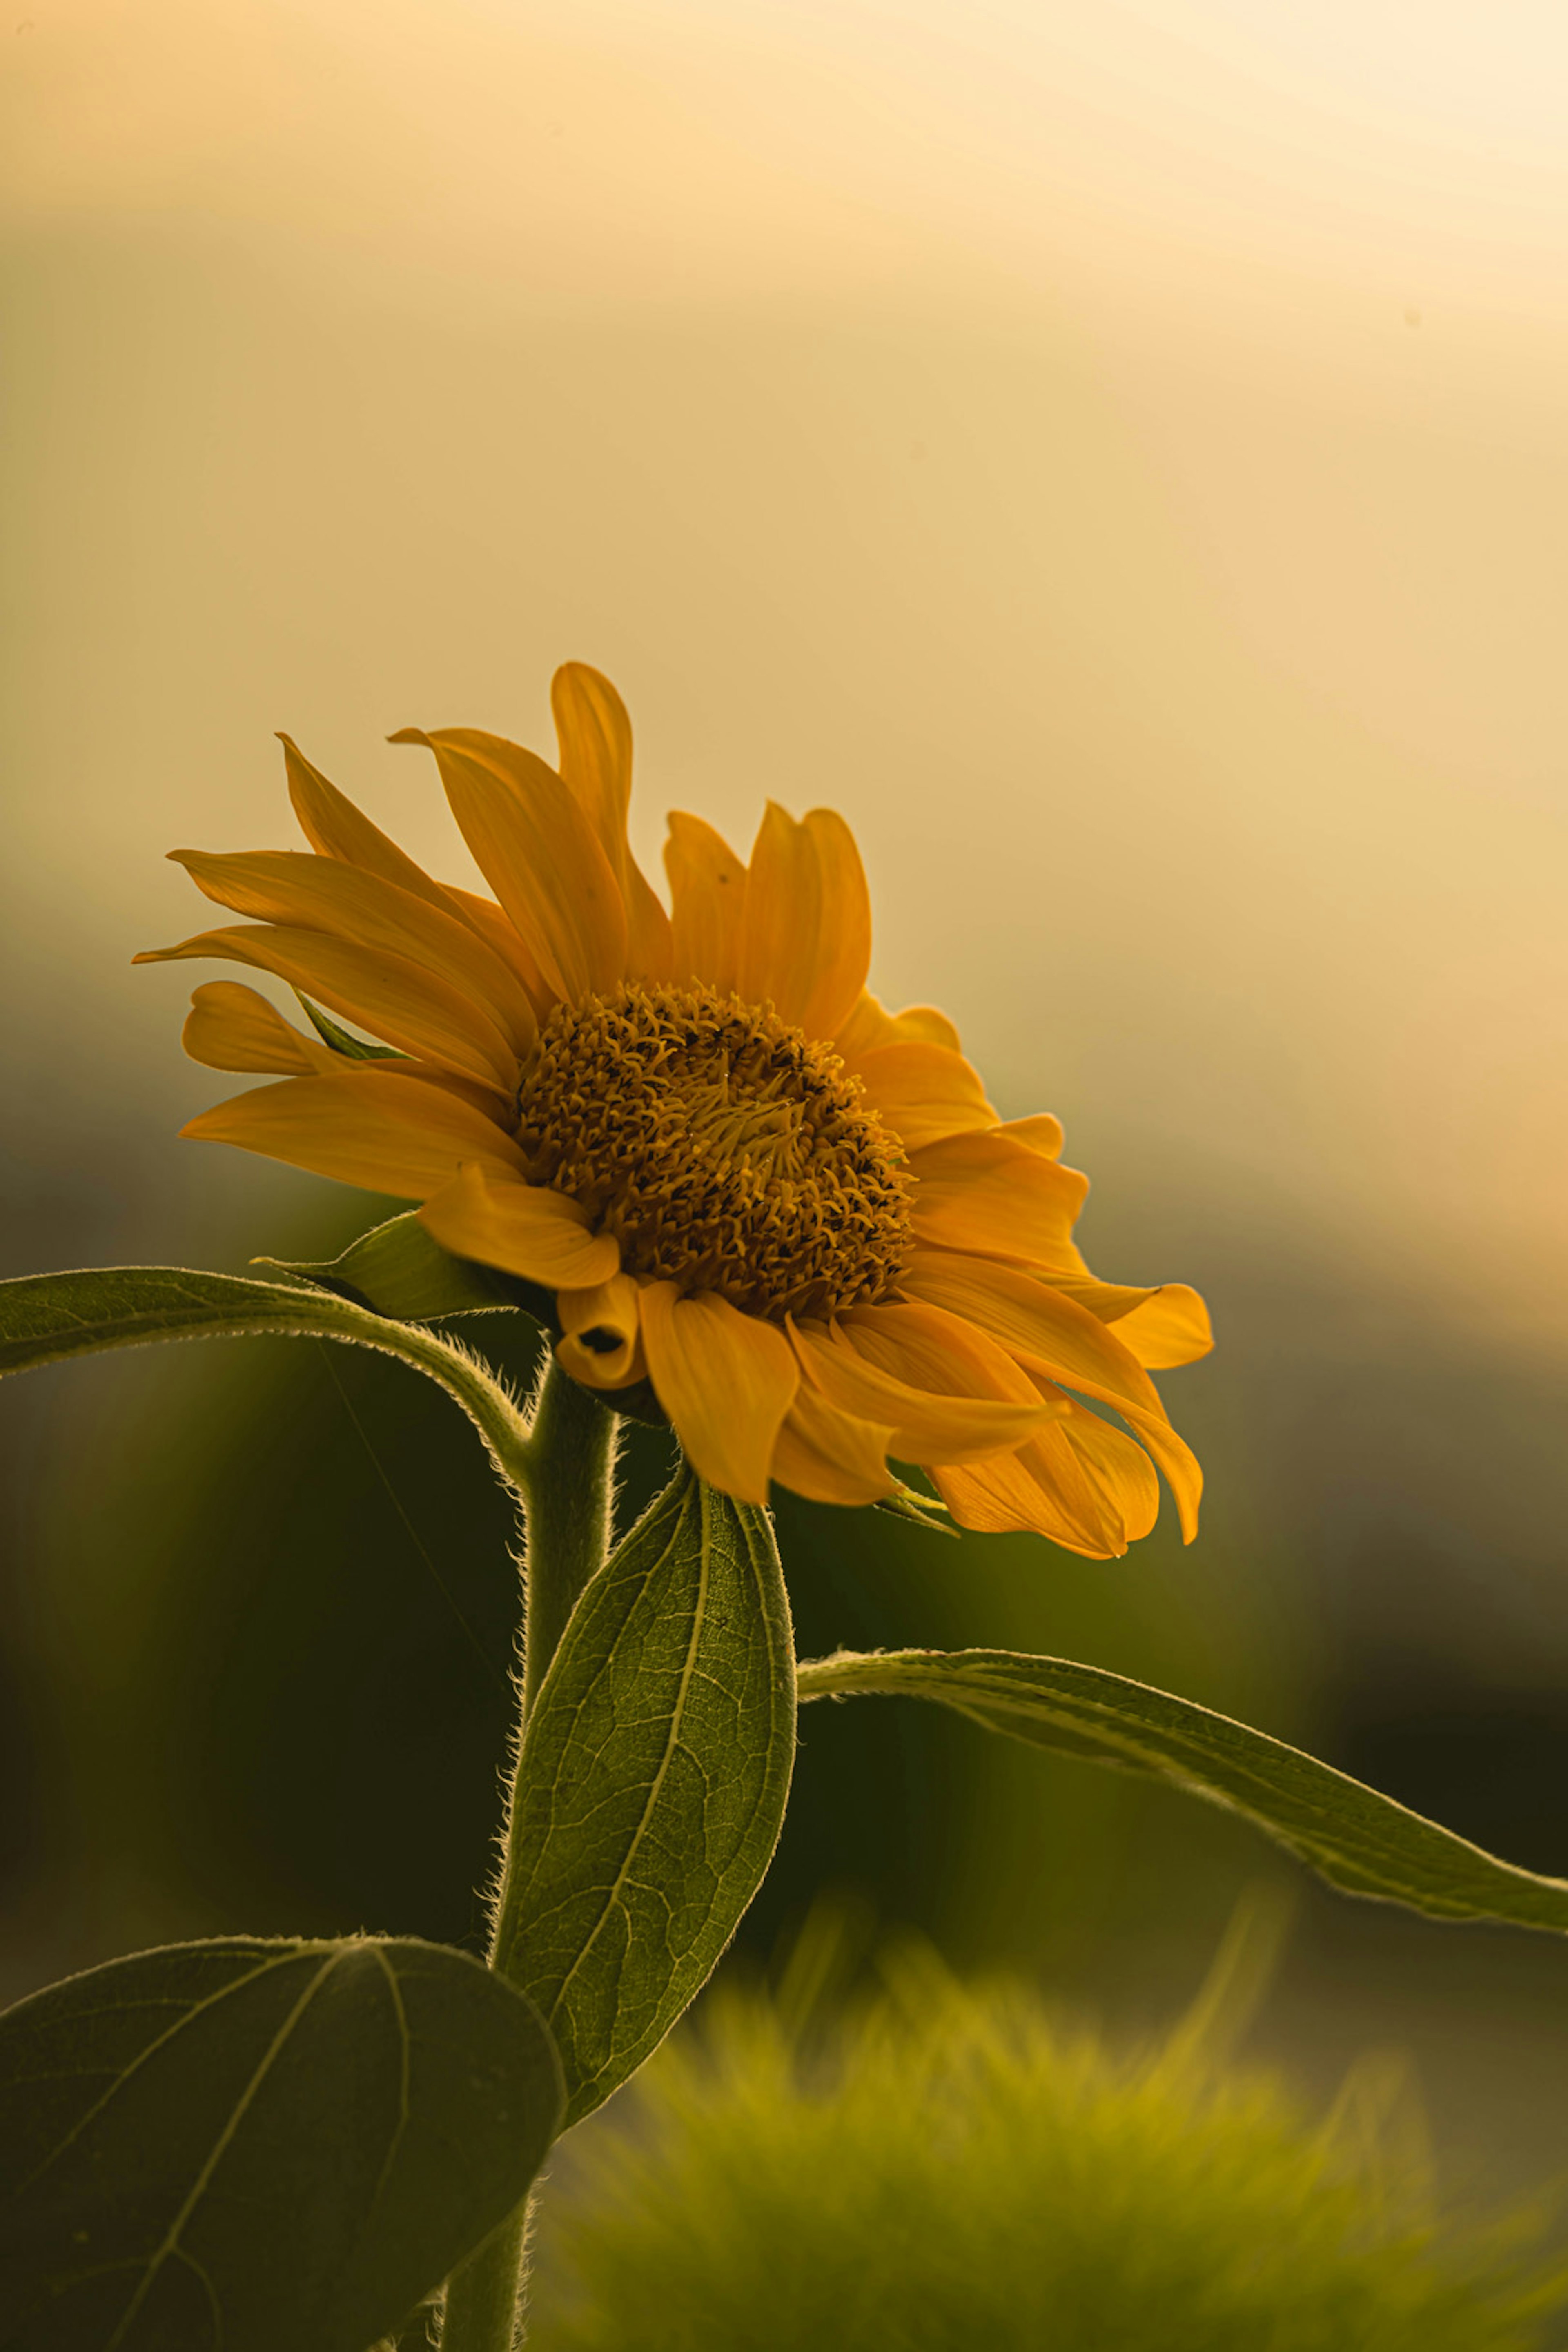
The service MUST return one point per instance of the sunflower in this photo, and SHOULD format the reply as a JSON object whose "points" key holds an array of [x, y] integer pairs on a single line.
{"points": [[796, 1215]]}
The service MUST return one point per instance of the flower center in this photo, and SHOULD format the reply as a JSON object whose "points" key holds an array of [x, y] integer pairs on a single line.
{"points": [[724, 1150]]}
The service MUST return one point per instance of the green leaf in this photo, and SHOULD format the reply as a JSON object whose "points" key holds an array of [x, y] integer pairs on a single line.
{"points": [[343, 1041], [1359, 1840], [400, 1269], [46, 1317], [652, 1784], [250, 2144]]}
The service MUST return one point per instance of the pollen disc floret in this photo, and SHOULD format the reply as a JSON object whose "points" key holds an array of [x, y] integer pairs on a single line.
{"points": [[724, 1150]]}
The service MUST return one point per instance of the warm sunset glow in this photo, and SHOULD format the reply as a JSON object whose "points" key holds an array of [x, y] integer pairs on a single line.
{"points": [[1144, 420]]}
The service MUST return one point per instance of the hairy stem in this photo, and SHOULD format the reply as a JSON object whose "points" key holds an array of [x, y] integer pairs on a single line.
{"points": [[568, 1500], [573, 1445]]}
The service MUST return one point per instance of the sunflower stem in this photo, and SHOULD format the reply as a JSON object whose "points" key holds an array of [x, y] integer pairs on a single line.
{"points": [[568, 1492]]}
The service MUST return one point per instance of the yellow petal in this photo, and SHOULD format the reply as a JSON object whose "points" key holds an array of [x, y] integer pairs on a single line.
{"points": [[504, 939], [488, 1214], [593, 731], [1121, 1470], [807, 940], [830, 1456], [1041, 1133], [594, 734], [1167, 1327], [1045, 1488], [230, 1027], [867, 1024], [707, 897], [388, 1133], [320, 894], [1007, 1494], [602, 1344], [1060, 1340], [726, 1381], [1050, 1333], [537, 850], [923, 1092], [934, 1349], [384, 993], [335, 828], [950, 1413], [987, 1194]]}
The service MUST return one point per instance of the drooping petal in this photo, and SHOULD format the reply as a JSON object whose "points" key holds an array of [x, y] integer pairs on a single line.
{"points": [[707, 901], [951, 1417], [336, 829], [726, 1381], [928, 1345], [1050, 1333], [386, 1132], [594, 734], [807, 942], [831, 1456], [386, 994], [1052, 1486], [1121, 1469], [1017, 1494], [1060, 1339], [231, 1027], [602, 1345], [537, 850], [1170, 1326], [321, 893], [488, 1214], [987, 1194], [923, 1092]]}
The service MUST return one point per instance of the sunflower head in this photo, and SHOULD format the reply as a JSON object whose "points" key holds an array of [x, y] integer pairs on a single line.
{"points": [[795, 1213], [724, 1149]]}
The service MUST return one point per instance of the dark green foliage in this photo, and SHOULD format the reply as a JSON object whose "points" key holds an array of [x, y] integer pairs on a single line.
{"points": [[249, 2145], [654, 1771]]}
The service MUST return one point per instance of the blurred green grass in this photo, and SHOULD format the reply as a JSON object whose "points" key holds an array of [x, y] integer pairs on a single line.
{"points": [[944, 2168]]}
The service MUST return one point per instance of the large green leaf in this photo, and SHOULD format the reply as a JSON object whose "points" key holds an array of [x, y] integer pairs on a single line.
{"points": [[241, 2146], [44, 1318], [1360, 1841], [652, 1785], [47, 1317]]}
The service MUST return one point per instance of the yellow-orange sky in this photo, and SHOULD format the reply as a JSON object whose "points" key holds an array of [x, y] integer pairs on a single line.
{"points": [[1115, 454]]}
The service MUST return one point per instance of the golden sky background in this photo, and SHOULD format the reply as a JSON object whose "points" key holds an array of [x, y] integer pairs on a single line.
{"points": [[1116, 455]]}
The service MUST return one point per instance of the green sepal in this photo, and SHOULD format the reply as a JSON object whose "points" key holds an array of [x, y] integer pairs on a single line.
{"points": [[400, 1269], [252, 2144], [342, 1040], [1358, 1840], [651, 1790], [916, 1510]]}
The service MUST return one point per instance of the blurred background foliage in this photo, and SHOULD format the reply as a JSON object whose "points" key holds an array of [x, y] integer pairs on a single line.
{"points": [[1113, 455]]}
